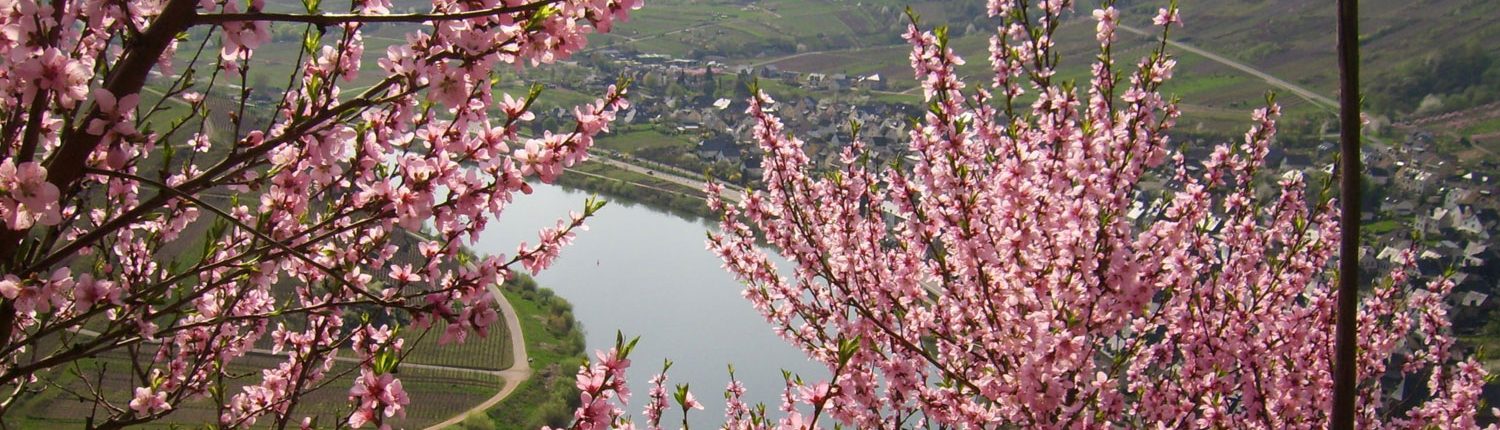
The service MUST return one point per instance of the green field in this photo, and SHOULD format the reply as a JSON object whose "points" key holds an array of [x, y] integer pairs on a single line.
{"points": [[1286, 39], [1488, 126], [634, 139]]}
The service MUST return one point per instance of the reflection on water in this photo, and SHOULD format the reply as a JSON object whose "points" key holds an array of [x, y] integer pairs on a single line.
{"points": [[647, 273]]}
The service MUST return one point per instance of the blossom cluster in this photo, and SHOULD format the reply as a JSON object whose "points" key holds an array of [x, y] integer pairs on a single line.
{"points": [[151, 211], [1050, 261]]}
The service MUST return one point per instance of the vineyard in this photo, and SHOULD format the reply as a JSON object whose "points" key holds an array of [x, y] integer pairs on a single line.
{"points": [[484, 353], [445, 392]]}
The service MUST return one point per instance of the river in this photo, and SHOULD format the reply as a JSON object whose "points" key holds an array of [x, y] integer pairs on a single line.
{"points": [[648, 273]]}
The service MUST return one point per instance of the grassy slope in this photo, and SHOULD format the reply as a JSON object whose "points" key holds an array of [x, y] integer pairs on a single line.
{"points": [[1292, 38], [633, 139]]}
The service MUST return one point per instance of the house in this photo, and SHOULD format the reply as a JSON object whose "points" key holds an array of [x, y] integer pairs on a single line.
{"points": [[720, 147], [1471, 305], [1471, 253], [753, 167], [1292, 161], [1413, 180], [770, 72]]}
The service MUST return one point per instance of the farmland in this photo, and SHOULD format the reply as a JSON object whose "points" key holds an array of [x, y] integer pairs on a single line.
{"points": [[637, 139], [450, 379], [445, 393], [485, 353]]}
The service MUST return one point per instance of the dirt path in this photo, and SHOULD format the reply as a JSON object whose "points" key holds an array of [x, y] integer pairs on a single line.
{"points": [[787, 57]]}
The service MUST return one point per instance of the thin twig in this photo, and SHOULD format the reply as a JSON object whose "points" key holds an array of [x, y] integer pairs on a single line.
{"points": [[340, 19]]}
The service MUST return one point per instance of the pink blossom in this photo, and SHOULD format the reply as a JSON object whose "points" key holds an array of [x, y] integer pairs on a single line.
{"points": [[690, 402], [376, 397], [88, 292], [54, 71], [335, 173], [117, 114], [515, 109], [1001, 278], [1165, 17], [148, 401], [1108, 19], [240, 37], [30, 199], [403, 274]]}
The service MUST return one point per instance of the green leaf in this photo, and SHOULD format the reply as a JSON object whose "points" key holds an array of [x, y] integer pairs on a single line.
{"points": [[847, 348], [310, 42], [385, 361], [681, 394]]}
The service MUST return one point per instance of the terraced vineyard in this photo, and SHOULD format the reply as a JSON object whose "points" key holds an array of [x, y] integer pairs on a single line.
{"points": [[445, 393]]}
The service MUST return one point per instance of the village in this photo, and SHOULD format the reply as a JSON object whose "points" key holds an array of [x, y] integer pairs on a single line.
{"points": [[1419, 191], [1417, 196]]}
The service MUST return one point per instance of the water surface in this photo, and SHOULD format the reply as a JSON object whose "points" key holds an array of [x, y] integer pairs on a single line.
{"points": [[648, 273]]}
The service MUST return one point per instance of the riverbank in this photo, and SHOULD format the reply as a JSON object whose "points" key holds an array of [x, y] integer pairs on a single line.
{"points": [[627, 186]]}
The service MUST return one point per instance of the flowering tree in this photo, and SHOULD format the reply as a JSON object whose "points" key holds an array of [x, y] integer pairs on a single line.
{"points": [[1019, 269], [118, 237]]}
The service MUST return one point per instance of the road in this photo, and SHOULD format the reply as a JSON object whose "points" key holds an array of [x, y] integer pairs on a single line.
{"points": [[784, 58], [519, 370], [660, 189], [1319, 100], [1309, 95], [732, 193]]}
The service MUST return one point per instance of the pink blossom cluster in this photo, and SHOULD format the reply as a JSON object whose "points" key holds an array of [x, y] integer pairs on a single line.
{"points": [[658, 395], [184, 227], [26, 198], [602, 390], [377, 398], [1054, 263]]}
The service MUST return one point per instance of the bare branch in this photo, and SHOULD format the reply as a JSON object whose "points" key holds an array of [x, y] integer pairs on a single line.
{"points": [[339, 19]]}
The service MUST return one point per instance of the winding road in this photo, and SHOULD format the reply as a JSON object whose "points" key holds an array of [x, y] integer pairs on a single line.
{"points": [[519, 370]]}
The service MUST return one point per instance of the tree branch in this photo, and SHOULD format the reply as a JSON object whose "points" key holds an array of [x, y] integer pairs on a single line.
{"points": [[332, 274], [340, 19]]}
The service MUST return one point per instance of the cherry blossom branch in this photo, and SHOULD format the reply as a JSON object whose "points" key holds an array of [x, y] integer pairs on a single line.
{"points": [[127, 77], [340, 19], [334, 275]]}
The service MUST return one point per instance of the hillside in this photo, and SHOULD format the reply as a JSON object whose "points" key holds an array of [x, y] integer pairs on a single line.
{"points": [[1288, 39]]}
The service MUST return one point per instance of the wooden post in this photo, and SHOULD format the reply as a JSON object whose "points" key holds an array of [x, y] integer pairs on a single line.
{"points": [[1344, 383]]}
